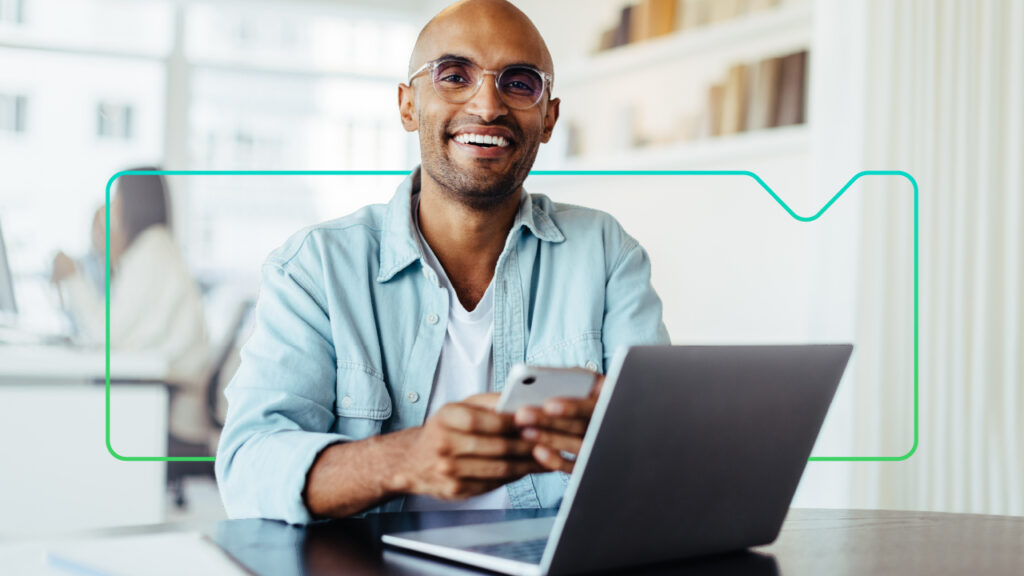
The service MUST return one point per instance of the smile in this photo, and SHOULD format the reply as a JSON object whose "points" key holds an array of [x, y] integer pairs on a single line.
{"points": [[482, 140]]}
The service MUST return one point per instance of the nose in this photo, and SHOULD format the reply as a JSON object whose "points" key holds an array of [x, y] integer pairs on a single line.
{"points": [[487, 103]]}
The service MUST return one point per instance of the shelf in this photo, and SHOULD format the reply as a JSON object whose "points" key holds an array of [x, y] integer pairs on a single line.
{"points": [[775, 30], [732, 150]]}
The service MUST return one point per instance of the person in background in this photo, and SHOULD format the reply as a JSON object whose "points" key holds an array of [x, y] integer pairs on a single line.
{"points": [[155, 305], [93, 265]]}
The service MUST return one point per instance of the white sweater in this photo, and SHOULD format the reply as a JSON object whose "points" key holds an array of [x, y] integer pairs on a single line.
{"points": [[155, 307]]}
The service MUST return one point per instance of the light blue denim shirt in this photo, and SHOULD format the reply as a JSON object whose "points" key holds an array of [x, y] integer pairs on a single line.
{"points": [[350, 323]]}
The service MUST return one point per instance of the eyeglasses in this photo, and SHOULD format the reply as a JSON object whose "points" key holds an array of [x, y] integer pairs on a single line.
{"points": [[457, 80]]}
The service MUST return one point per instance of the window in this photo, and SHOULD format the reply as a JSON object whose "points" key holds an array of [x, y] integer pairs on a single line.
{"points": [[114, 121], [12, 113], [12, 11]]}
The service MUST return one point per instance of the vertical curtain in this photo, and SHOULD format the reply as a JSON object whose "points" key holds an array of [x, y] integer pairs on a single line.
{"points": [[944, 96]]}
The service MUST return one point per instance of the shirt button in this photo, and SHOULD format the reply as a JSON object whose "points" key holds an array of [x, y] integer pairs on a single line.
{"points": [[346, 402], [591, 365], [432, 318], [412, 397]]}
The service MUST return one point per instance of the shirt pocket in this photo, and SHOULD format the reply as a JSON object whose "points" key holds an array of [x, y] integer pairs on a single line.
{"points": [[583, 350], [363, 403]]}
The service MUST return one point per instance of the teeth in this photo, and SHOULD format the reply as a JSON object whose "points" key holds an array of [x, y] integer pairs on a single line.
{"points": [[469, 138]]}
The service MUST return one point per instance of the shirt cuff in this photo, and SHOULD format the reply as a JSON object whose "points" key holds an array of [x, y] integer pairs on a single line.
{"points": [[286, 457]]}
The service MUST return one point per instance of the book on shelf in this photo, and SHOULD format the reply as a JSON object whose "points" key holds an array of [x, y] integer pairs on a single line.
{"points": [[714, 109], [721, 10], [692, 14], [640, 22], [764, 96], [662, 17], [734, 101], [651, 19], [645, 19], [607, 39], [622, 31], [792, 80]]}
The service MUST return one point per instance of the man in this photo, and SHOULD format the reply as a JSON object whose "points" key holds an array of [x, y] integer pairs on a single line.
{"points": [[382, 338]]}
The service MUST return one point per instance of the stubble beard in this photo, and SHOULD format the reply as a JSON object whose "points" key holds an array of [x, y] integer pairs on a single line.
{"points": [[478, 192]]}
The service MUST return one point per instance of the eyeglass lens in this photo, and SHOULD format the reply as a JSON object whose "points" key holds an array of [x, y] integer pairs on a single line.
{"points": [[456, 81]]}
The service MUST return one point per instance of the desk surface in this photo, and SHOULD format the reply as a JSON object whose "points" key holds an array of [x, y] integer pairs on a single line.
{"points": [[75, 363], [812, 542]]}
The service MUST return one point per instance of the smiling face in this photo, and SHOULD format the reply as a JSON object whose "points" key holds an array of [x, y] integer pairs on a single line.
{"points": [[478, 152]]}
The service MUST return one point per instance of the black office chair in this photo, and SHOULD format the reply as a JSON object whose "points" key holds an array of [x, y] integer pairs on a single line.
{"points": [[177, 472]]}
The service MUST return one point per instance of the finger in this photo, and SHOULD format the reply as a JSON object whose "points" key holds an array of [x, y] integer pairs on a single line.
{"points": [[469, 418], [563, 442], [535, 418], [479, 445], [494, 468], [570, 407], [551, 459], [485, 400], [598, 384]]}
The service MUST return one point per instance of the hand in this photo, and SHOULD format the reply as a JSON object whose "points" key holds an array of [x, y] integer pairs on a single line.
{"points": [[63, 267], [558, 427], [463, 450]]}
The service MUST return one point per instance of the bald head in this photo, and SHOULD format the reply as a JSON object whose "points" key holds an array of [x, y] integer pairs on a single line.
{"points": [[494, 27]]}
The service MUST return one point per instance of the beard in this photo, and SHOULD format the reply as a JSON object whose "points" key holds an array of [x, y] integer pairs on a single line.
{"points": [[480, 188]]}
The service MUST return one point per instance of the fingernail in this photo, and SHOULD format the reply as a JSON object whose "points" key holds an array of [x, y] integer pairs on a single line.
{"points": [[530, 433], [554, 408], [526, 417], [542, 452]]}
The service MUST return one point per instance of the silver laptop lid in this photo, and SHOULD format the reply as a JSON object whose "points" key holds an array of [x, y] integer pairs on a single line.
{"points": [[697, 450]]}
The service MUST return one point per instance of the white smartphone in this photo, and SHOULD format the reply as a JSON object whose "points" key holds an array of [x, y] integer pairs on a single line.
{"points": [[532, 385]]}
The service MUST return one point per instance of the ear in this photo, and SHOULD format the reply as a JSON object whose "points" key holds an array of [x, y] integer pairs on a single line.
{"points": [[550, 117], [407, 107]]}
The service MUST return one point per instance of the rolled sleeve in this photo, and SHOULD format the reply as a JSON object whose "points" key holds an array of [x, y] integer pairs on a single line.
{"points": [[280, 401]]}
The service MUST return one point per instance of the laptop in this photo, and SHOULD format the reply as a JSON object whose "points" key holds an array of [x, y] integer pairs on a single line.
{"points": [[692, 450], [11, 329]]}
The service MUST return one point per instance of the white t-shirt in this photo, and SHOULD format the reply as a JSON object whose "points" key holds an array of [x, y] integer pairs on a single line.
{"points": [[464, 369]]}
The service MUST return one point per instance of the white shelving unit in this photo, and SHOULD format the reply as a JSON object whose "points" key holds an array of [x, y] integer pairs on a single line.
{"points": [[658, 83], [778, 29], [724, 150]]}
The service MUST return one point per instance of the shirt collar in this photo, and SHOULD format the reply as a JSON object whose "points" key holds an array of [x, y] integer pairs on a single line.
{"points": [[399, 248]]}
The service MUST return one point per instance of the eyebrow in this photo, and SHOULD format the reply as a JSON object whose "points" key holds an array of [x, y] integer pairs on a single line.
{"points": [[466, 60]]}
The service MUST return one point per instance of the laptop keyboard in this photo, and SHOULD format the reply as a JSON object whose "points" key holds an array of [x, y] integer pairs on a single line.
{"points": [[529, 551]]}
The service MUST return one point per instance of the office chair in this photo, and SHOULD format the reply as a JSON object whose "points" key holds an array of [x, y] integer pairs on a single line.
{"points": [[178, 471]]}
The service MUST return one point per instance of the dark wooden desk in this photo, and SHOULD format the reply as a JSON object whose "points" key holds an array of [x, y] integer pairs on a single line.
{"points": [[812, 542]]}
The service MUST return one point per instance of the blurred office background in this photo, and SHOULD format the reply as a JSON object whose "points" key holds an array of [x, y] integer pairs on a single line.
{"points": [[806, 93]]}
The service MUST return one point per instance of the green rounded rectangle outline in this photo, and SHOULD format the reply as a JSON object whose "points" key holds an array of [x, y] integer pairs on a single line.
{"points": [[746, 173]]}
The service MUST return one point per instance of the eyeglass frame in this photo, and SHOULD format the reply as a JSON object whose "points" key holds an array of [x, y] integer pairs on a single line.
{"points": [[547, 78]]}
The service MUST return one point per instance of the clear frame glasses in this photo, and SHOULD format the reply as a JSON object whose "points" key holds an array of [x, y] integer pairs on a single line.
{"points": [[457, 80]]}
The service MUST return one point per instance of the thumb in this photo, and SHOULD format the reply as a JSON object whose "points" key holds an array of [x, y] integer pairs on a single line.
{"points": [[487, 400]]}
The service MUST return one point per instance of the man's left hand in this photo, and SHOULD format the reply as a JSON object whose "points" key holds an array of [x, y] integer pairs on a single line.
{"points": [[558, 427]]}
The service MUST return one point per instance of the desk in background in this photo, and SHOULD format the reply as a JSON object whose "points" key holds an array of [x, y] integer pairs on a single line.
{"points": [[57, 473]]}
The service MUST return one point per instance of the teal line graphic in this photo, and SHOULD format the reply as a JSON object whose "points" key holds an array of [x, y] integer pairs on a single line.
{"points": [[746, 173]]}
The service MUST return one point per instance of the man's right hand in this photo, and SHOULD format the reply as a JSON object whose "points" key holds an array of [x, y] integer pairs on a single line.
{"points": [[464, 449]]}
